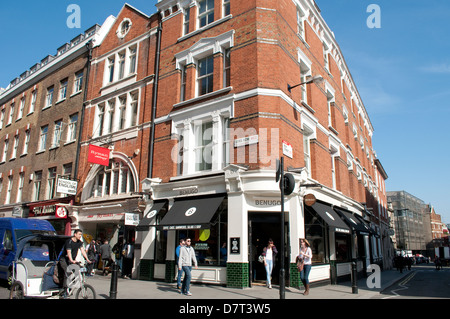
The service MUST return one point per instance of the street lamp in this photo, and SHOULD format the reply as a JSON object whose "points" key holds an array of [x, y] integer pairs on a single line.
{"points": [[316, 79]]}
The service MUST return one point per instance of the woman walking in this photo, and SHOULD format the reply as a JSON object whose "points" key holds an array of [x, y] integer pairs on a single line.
{"points": [[269, 253], [306, 255]]}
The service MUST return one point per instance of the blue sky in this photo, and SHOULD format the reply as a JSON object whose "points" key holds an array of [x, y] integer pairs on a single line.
{"points": [[402, 71]]}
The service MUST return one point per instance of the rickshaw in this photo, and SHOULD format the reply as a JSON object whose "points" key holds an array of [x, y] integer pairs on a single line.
{"points": [[33, 269]]}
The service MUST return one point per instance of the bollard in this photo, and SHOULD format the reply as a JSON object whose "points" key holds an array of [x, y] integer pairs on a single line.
{"points": [[114, 276], [354, 278]]}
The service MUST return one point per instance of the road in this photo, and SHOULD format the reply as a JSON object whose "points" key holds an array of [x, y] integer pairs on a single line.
{"points": [[424, 282]]}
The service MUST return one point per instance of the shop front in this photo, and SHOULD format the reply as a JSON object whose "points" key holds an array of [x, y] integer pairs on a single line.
{"points": [[231, 216], [56, 211]]}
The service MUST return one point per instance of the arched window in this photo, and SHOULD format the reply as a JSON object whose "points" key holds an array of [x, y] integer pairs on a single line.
{"points": [[115, 179]]}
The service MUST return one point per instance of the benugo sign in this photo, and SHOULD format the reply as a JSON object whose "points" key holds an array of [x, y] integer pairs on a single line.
{"points": [[98, 155]]}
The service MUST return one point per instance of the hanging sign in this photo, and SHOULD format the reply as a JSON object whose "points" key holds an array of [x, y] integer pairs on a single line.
{"points": [[61, 212], [98, 155]]}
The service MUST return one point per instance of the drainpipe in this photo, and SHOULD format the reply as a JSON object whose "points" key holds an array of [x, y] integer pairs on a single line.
{"points": [[155, 101], [89, 46]]}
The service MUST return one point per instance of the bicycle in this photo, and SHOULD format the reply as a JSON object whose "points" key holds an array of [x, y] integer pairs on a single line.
{"points": [[76, 283]]}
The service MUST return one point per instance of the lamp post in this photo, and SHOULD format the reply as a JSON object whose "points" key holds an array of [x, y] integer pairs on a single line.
{"points": [[316, 79]]}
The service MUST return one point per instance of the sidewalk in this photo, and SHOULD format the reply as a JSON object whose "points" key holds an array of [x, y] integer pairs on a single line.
{"points": [[137, 289]]}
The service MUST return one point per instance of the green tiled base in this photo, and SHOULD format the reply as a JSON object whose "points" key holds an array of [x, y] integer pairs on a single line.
{"points": [[237, 275], [146, 269], [170, 271], [294, 276]]}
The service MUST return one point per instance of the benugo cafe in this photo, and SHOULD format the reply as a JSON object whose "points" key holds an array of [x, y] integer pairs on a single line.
{"points": [[230, 217]]}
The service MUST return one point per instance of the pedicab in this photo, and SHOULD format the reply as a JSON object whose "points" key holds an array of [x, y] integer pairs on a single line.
{"points": [[34, 269]]}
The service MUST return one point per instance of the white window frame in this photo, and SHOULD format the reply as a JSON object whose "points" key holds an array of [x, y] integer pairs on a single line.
{"points": [[49, 97], [121, 65], [63, 90], [33, 102], [26, 141], [206, 14], [78, 83], [21, 108], [57, 132], [11, 113], [72, 128], [20, 187], [184, 123], [204, 48], [15, 147], [37, 185], [5, 150], [43, 138], [9, 190]]}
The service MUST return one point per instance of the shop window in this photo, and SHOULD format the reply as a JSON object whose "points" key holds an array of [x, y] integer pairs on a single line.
{"points": [[315, 233], [161, 242], [343, 248], [210, 244]]}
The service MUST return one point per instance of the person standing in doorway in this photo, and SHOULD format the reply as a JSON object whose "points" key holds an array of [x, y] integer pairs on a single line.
{"points": [[128, 254], [269, 253], [105, 253], [180, 272], [187, 258], [306, 255]]}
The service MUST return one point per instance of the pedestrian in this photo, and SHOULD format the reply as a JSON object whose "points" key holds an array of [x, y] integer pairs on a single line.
{"points": [[408, 262], [127, 254], [306, 255], [69, 255], [92, 252], [180, 272], [106, 253], [117, 250], [437, 263], [187, 258], [223, 254], [269, 253]]}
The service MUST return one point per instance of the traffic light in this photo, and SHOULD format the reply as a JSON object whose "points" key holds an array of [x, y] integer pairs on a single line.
{"points": [[289, 184]]}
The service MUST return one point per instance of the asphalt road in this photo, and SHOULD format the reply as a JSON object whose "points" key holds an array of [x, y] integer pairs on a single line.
{"points": [[424, 282]]}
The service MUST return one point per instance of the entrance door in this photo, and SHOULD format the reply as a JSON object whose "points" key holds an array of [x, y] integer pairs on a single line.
{"points": [[262, 227]]}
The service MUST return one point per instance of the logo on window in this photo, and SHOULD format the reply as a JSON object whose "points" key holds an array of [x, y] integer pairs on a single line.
{"points": [[190, 211]]}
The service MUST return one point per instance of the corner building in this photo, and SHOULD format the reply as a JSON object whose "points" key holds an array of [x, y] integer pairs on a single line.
{"points": [[225, 114]]}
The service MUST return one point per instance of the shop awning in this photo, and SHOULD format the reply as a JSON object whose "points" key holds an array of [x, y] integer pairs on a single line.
{"points": [[351, 220], [366, 224], [330, 217], [150, 214], [189, 213]]}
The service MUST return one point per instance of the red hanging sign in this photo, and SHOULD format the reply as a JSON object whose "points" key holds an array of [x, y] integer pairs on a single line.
{"points": [[98, 155]]}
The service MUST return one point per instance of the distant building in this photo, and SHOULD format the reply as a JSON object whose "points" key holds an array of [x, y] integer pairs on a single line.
{"points": [[410, 221]]}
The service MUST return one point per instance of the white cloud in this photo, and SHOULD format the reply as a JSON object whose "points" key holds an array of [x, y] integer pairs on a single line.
{"points": [[443, 68]]}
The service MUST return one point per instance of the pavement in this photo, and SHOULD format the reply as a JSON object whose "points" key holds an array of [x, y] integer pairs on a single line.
{"points": [[138, 289]]}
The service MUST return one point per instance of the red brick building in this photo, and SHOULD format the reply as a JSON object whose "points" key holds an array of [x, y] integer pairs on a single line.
{"points": [[225, 114], [117, 118]]}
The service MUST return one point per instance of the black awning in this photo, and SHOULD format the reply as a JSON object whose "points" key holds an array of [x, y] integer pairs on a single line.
{"points": [[150, 214], [189, 213], [366, 224], [330, 217], [351, 220]]}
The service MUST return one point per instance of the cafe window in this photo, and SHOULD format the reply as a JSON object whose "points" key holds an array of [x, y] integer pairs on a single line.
{"points": [[315, 231], [343, 250], [210, 244]]}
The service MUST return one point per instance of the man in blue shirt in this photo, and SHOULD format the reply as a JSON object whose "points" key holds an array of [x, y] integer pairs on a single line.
{"points": [[180, 272]]}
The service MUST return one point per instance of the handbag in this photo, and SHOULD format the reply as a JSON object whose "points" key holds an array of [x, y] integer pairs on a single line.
{"points": [[261, 258], [300, 263]]}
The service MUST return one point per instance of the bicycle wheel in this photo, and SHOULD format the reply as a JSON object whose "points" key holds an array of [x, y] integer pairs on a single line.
{"points": [[86, 292], [16, 291]]}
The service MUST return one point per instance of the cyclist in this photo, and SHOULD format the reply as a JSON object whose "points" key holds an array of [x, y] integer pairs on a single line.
{"points": [[69, 255]]}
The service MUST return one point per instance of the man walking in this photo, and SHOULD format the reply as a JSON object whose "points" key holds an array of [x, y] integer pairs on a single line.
{"points": [[187, 257], [180, 272]]}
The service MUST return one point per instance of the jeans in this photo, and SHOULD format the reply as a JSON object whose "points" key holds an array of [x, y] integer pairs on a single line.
{"points": [[304, 274], [269, 267], [180, 273], [187, 279]]}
